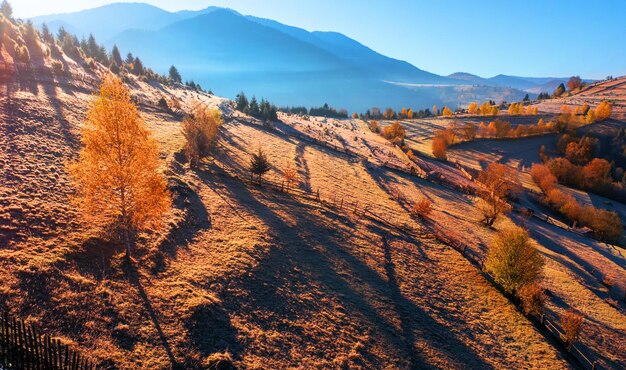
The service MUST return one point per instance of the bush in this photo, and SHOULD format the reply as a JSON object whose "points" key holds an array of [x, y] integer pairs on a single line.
{"points": [[422, 209], [394, 133], [500, 182], [572, 323], [440, 147], [200, 129], [162, 103], [57, 66], [532, 298], [513, 260], [22, 54]]}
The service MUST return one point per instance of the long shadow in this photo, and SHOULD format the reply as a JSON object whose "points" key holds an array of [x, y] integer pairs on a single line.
{"points": [[317, 258], [134, 279], [405, 321], [196, 217], [578, 262], [301, 163]]}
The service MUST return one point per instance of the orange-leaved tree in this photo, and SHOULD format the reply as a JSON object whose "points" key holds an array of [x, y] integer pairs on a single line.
{"points": [[499, 181], [119, 186]]}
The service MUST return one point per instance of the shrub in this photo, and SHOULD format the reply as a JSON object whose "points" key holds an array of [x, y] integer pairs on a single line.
{"points": [[219, 361], [440, 147], [375, 126], [603, 111], [394, 133], [22, 54], [290, 174], [532, 298], [572, 322], [513, 260], [162, 103], [422, 209], [57, 66], [200, 129], [500, 182]]}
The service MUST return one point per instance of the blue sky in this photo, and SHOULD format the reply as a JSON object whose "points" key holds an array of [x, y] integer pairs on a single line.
{"points": [[524, 38]]}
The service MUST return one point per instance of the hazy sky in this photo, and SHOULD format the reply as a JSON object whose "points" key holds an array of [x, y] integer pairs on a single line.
{"points": [[525, 38]]}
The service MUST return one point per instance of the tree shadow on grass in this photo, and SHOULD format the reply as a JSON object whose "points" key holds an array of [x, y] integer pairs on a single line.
{"points": [[134, 278], [309, 252]]}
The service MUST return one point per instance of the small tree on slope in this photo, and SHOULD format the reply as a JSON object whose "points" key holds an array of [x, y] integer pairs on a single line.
{"points": [[118, 182]]}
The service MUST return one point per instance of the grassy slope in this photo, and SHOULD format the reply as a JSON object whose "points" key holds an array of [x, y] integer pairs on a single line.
{"points": [[277, 281]]}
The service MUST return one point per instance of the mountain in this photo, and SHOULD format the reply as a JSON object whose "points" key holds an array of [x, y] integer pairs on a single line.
{"points": [[119, 17], [228, 53]]}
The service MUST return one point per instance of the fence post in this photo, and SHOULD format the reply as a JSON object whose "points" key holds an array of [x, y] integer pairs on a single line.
{"points": [[341, 207], [593, 365], [318, 194]]}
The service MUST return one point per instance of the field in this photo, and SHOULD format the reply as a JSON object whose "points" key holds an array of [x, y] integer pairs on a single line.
{"points": [[335, 273]]}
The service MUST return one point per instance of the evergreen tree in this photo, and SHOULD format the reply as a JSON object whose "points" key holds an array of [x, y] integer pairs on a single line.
{"points": [[254, 108], [259, 164], [138, 67], [61, 34], [174, 75], [46, 35], [6, 9], [526, 98], [116, 56], [130, 59], [242, 103]]}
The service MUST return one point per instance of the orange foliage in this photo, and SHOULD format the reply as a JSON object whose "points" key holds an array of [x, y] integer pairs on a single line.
{"points": [[439, 147], [394, 133], [472, 108], [447, 112], [119, 186], [603, 111]]}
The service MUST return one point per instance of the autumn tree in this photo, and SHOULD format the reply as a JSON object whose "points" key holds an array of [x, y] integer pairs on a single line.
{"points": [[409, 114], [597, 172], [574, 83], [499, 181], [532, 298], [374, 126], [200, 129], [119, 186], [422, 209], [447, 112], [472, 108], [439, 147], [394, 133], [572, 323], [469, 131], [389, 113], [290, 175], [603, 111], [259, 164], [513, 260]]}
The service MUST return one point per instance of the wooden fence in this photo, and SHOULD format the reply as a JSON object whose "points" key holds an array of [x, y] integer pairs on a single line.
{"points": [[23, 346]]}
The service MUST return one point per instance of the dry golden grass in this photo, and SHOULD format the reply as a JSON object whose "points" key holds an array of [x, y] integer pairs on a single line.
{"points": [[257, 277]]}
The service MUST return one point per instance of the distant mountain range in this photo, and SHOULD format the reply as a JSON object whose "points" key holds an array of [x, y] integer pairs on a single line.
{"points": [[229, 52]]}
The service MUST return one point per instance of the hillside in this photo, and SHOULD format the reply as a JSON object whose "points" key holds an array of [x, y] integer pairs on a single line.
{"points": [[266, 278], [592, 94]]}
